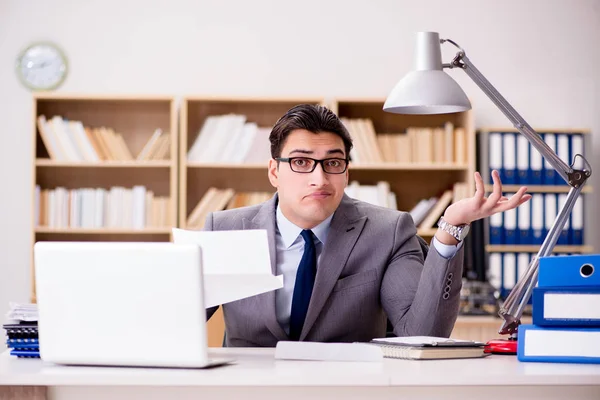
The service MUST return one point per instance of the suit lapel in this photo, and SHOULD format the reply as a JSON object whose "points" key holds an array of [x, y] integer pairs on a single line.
{"points": [[346, 226], [265, 219]]}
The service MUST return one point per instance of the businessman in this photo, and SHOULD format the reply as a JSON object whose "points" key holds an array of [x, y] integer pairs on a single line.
{"points": [[347, 266]]}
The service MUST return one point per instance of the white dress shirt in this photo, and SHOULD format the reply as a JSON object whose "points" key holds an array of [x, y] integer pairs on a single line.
{"points": [[290, 248]]}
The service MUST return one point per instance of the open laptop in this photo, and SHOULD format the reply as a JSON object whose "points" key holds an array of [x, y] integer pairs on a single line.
{"points": [[121, 304]]}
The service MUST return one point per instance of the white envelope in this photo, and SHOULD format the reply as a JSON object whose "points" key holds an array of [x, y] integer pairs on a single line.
{"points": [[236, 264]]}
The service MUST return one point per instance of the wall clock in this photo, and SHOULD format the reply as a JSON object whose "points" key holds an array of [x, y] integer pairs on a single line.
{"points": [[42, 66]]}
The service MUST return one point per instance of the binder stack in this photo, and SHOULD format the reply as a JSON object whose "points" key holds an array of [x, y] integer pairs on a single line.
{"points": [[566, 312], [22, 331]]}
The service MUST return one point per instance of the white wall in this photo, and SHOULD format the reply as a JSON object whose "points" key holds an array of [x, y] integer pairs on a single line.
{"points": [[541, 54]]}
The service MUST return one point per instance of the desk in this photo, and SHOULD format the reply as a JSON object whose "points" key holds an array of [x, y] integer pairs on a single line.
{"points": [[256, 375]]}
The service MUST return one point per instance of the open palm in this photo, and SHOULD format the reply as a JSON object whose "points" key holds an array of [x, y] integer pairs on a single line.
{"points": [[477, 207]]}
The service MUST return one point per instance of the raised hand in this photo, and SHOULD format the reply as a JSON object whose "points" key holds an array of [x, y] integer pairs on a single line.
{"points": [[477, 207]]}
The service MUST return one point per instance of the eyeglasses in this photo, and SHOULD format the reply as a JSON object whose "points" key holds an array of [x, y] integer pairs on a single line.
{"points": [[306, 165]]}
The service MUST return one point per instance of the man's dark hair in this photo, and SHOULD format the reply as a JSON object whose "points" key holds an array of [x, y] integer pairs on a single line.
{"points": [[313, 118]]}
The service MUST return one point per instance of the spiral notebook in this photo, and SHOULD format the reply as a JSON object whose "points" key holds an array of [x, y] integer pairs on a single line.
{"points": [[429, 348]]}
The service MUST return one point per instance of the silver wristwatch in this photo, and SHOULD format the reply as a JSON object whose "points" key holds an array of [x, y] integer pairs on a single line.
{"points": [[459, 232]]}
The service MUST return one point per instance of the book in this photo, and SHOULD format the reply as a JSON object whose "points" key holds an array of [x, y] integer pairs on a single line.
{"points": [[25, 353], [429, 348], [25, 341]]}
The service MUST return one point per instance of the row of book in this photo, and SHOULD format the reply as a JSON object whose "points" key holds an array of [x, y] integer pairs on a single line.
{"points": [[231, 139], [222, 199], [435, 145], [117, 207], [518, 162], [71, 141], [425, 214], [566, 312], [530, 222], [22, 337]]}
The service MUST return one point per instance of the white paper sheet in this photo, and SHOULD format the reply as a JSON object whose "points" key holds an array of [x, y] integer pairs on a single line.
{"points": [[316, 351], [236, 264]]}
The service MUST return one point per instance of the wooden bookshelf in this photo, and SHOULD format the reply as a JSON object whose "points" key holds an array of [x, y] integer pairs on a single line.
{"points": [[412, 181], [134, 118], [196, 178]]}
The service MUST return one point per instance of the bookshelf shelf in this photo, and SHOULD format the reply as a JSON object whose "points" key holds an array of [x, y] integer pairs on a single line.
{"points": [[104, 161], [102, 231], [534, 249], [540, 188], [361, 167], [44, 162]]}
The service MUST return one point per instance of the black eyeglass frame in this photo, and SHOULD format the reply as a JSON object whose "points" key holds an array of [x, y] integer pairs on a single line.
{"points": [[289, 160]]}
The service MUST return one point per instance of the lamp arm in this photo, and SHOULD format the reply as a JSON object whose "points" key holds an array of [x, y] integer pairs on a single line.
{"points": [[512, 309]]}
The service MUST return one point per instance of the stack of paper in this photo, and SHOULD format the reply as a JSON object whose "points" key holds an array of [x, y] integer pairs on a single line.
{"points": [[235, 264]]}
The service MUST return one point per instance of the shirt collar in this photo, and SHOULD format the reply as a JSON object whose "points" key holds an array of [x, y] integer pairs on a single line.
{"points": [[289, 232]]}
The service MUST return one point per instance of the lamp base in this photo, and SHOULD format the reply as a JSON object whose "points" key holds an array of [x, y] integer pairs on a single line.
{"points": [[501, 346]]}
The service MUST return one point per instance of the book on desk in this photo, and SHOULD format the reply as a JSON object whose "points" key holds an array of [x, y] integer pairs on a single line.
{"points": [[429, 348]]}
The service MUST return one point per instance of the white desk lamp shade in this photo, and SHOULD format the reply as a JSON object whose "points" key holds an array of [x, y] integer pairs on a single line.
{"points": [[427, 89]]}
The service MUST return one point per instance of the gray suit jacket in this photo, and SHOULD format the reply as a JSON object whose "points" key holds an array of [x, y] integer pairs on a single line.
{"points": [[370, 269]]}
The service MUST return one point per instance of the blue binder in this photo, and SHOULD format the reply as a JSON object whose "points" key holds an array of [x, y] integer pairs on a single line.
{"points": [[567, 271], [496, 222], [509, 158], [567, 306], [559, 345]]}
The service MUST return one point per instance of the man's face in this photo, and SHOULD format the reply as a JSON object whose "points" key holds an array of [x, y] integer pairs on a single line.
{"points": [[307, 199]]}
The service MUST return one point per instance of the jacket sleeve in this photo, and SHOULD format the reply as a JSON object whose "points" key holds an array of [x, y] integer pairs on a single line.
{"points": [[420, 297]]}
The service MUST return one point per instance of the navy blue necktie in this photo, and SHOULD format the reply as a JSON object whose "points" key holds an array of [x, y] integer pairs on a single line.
{"points": [[305, 280]]}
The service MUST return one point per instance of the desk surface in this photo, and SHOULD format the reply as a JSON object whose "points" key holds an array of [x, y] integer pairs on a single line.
{"points": [[257, 367]]}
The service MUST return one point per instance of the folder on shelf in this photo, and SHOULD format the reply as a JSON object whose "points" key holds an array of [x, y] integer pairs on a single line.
{"points": [[567, 271], [509, 159], [577, 222], [563, 147], [496, 228], [565, 235], [536, 164], [537, 218], [510, 225], [509, 271], [550, 212], [523, 166], [577, 143], [549, 175], [494, 274], [495, 153], [524, 224], [566, 306]]}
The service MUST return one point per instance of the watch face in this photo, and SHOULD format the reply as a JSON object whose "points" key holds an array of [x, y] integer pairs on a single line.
{"points": [[42, 66]]}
